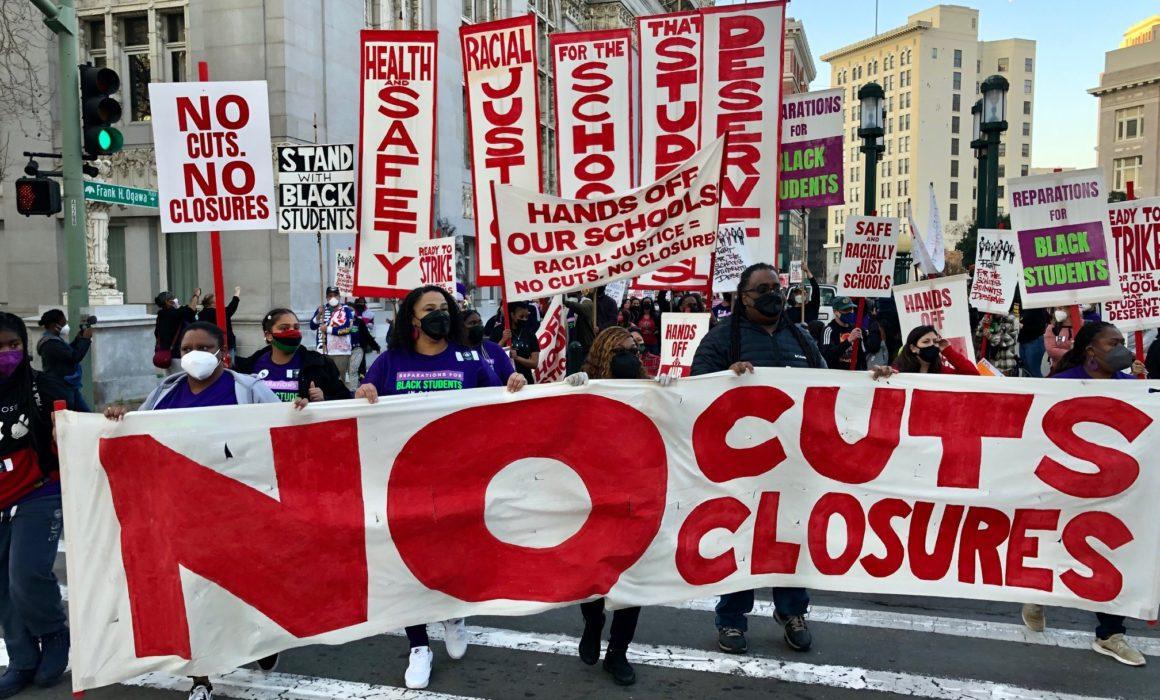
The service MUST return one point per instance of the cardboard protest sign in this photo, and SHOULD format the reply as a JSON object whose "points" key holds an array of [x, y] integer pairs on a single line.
{"points": [[1065, 248], [811, 150], [594, 120], [869, 247], [730, 258], [396, 170], [344, 271], [996, 271], [316, 189], [155, 585], [681, 335], [553, 338], [503, 117], [940, 302], [1135, 229], [553, 246], [212, 142], [437, 264], [616, 290], [795, 271]]}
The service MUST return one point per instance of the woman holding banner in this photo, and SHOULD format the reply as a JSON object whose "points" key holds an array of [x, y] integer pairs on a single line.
{"points": [[926, 352], [492, 353], [289, 369]]}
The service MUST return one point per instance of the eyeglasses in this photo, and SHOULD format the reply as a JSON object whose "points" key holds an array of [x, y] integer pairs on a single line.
{"points": [[762, 289]]}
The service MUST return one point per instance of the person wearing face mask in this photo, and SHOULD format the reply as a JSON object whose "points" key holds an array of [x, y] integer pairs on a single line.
{"points": [[812, 301], [691, 304], [492, 353], [759, 334], [62, 359], [524, 347], [171, 321], [35, 627], [290, 369], [926, 352], [840, 334], [1032, 326], [208, 314], [1059, 337], [650, 361], [649, 323], [337, 320]]}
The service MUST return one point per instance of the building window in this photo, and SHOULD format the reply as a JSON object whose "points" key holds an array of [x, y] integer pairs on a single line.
{"points": [[548, 14], [979, 65], [954, 190], [934, 52], [1027, 107], [958, 58], [1002, 170], [1024, 169], [1026, 128], [1026, 87], [954, 168], [1125, 170], [138, 68], [954, 147], [1002, 150], [1129, 123], [1027, 65], [956, 102], [1003, 65], [1001, 189], [95, 42], [954, 211], [1025, 150], [954, 125], [174, 46], [957, 81]]}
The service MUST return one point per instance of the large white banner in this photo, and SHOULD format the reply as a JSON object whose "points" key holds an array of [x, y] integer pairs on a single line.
{"points": [[396, 167], [996, 271], [1135, 229], [316, 189], [869, 247], [212, 142], [553, 338], [940, 302], [503, 116], [594, 120], [554, 246], [341, 522]]}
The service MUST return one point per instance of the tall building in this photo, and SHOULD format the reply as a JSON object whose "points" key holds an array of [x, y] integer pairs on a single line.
{"points": [[1129, 95], [930, 68]]}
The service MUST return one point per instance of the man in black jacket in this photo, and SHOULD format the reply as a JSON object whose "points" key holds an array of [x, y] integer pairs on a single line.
{"points": [[61, 359], [171, 320], [840, 334]]}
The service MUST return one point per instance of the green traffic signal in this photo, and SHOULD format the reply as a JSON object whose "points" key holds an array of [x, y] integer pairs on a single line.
{"points": [[99, 111]]}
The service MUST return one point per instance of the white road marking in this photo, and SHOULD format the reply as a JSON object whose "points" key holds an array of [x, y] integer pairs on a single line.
{"points": [[255, 685]]}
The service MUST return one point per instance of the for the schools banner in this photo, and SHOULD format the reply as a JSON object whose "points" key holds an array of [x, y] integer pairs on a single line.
{"points": [[681, 335], [996, 271], [1135, 229], [344, 271], [213, 156], [594, 120], [940, 302], [316, 189], [398, 73], [869, 247], [503, 118], [553, 338], [1065, 248], [342, 522], [811, 150], [555, 246]]}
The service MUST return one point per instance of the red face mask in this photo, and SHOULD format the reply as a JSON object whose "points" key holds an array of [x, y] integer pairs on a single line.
{"points": [[288, 339]]}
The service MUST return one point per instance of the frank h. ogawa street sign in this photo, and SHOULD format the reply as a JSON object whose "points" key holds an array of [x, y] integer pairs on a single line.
{"points": [[119, 194]]}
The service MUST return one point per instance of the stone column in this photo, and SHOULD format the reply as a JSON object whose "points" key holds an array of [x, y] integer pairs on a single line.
{"points": [[102, 285]]}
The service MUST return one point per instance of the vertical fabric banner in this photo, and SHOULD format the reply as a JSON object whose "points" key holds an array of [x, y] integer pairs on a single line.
{"points": [[996, 271], [553, 337], [741, 70], [1135, 228], [869, 247], [396, 169], [344, 271], [940, 302], [681, 335], [594, 132], [811, 150], [503, 119]]}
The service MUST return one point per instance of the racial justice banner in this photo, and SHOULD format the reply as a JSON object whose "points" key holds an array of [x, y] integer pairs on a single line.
{"points": [[1024, 491], [1065, 249], [940, 302], [869, 247], [554, 246], [344, 271], [436, 264], [553, 338], [396, 169], [681, 335], [996, 271], [1135, 229], [316, 189], [594, 119], [730, 258], [212, 143], [811, 150], [503, 121]]}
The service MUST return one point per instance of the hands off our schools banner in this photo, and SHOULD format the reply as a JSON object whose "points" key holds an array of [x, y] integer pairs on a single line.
{"points": [[940, 302], [1135, 229], [1025, 491]]}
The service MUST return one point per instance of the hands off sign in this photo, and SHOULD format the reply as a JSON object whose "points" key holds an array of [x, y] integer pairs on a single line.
{"points": [[868, 251], [681, 334], [1135, 228]]}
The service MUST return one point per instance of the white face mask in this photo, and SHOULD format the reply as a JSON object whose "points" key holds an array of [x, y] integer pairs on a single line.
{"points": [[332, 302], [1061, 315], [64, 331], [199, 364]]}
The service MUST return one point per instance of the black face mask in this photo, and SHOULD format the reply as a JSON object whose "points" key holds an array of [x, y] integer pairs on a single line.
{"points": [[625, 365], [929, 354], [437, 324], [475, 335], [770, 304]]}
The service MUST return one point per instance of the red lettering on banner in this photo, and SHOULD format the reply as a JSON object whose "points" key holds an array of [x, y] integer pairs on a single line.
{"points": [[771, 556], [716, 459], [984, 531], [933, 565], [820, 439], [1020, 547], [1106, 581], [1117, 470], [727, 513], [677, 81], [850, 511], [200, 114], [879, 518], [250, 544]]}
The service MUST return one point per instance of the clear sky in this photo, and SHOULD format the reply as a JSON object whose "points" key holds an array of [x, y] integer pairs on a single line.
{"points": [[1071, 37]]}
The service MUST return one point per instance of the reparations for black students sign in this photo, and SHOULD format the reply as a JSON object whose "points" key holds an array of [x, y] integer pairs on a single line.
{"points": [[316, 189], [1135, 228], [811, 150], [552, 245]]}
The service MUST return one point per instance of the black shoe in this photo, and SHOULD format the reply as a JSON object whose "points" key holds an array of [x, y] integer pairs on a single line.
{"points": [[53, 659], [13, 681], [268, 663], [617, 664], [797, 634], [590, 642], [732, 641]]}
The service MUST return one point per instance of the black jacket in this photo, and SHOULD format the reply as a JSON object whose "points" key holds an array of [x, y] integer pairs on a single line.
{"points": [[795, 312], [1152, 359], [316, 367], [167, 330], [1033, 324], [836, 345], [787, 346], [58, 357], [209, 315]]}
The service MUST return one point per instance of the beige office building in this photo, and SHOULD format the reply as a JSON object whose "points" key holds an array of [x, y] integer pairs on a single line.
{"points": [[1129, 95], [930, 68]]}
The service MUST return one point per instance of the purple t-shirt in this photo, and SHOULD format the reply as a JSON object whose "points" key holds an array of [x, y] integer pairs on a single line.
{"points": [[280, 379], [1078, 372], [220, 393], [399, 371], [498, 362]]}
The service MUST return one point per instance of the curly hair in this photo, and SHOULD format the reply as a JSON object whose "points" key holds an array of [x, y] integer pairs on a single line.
{"points": [[599, 362], [1083, 340], [402, 330]]}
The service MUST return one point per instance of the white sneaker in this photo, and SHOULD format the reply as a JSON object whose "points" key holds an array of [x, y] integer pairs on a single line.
{"points": [[1118, 648], [1034, 617], [419, 668], [200, 692], [455, 637]]}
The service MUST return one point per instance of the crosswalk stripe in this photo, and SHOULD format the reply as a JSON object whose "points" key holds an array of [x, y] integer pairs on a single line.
{"points": [[256, 685]]}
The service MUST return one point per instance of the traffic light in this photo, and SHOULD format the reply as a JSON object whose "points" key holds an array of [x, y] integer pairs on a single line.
{"points": [[37, 196], [99, 111]]}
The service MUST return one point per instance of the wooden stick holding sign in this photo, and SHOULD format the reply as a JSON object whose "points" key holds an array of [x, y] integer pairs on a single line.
{"points": [[215, 254]]}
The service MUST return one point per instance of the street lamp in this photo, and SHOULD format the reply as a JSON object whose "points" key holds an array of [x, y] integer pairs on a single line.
{"points": [[872, 98], [904, 260], [980, 146], [994, 123]]}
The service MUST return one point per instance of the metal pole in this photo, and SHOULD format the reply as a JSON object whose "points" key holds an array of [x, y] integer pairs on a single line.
{"points": [[215, 254], [871, 180], [981, 188], [992, 178]]}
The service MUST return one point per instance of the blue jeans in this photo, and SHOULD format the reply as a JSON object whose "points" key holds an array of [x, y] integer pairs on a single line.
{"points": [[30, 605], [733, 607], [1032, 355]]}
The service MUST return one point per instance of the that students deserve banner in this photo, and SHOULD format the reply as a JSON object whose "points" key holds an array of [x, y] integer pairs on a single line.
{"points": [[342, 522], [396, 179], [1135, 229], [554, 246], [212, 142], [940, 302], [553, 338], [681, 335], [996, 271], [316, 189], [503, 118], [436, 264], [1065, 248], [811, 150], [344, 271], [869, 247], [594, 120]]}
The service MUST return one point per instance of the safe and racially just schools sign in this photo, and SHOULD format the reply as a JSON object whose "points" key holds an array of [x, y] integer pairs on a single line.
{"points": [[869, 247], [316, 188]]}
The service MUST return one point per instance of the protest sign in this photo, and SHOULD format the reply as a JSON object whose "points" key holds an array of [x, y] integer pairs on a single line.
{"points": [[996, 271], [1065, 248], [730, 259], [594, 120], [681, 335], [795, 271], [957, 491], [1135, 229], [553, 338], [396, 170], [212, 142], [316, 189], [503, 118], [811, 150], [344, 271], [437, 264], [940, 302], [869, 247], [616, 290], [553, 246]]}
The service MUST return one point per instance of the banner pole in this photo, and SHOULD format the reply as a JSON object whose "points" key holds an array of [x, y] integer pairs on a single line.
{"points": [[321, 335], [215, 252], [857, 324]]}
